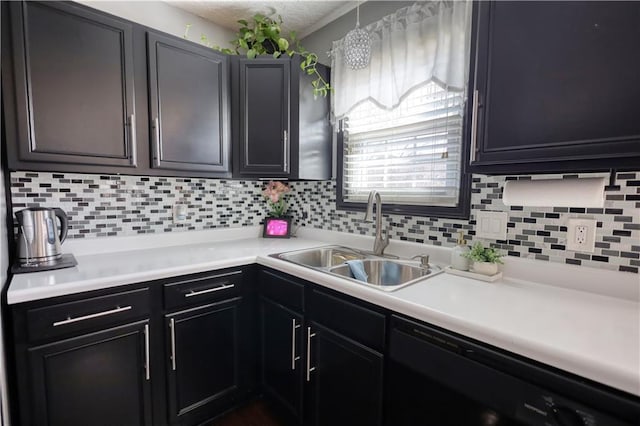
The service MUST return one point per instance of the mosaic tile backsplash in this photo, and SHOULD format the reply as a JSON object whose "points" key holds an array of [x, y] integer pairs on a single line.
{"points": [[100, 205]]}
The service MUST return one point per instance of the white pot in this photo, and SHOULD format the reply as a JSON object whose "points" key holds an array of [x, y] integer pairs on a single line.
{"points": [[484, 268]]}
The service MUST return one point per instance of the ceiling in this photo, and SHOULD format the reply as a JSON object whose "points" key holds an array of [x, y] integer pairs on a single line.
{"points": [[301, 16]]}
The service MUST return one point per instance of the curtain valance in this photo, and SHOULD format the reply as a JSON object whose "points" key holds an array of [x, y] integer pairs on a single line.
{"points": [[428, 41]]}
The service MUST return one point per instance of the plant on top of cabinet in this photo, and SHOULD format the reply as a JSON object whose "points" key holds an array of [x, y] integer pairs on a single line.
{"points": [[262, 36]]}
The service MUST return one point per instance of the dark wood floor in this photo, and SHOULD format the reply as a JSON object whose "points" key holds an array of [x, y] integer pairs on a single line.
{"points": [[256, 413]]}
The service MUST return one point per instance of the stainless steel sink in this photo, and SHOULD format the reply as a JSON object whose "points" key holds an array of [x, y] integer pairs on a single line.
{"points": [[321, 257], [384, 274]]}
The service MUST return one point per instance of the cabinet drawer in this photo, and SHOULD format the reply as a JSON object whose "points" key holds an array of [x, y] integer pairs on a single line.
{"points": [[282, 290], [202, 289], [89, 313], [356, 322]]}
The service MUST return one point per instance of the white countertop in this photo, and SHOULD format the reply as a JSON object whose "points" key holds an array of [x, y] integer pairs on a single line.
{"points": [[593, 332]]}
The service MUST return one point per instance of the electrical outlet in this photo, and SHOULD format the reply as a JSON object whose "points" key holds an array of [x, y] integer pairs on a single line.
{"points": [[581, 235]]}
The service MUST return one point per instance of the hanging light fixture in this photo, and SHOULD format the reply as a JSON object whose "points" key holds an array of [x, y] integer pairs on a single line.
{"points": [[357, 46]]}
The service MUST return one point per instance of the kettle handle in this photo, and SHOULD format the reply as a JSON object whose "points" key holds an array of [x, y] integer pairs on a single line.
{"points": [[64, 223]]}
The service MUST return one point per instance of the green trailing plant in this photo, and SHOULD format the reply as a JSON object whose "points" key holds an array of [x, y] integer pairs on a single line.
{"points": [[263, 36], [479, 253]]}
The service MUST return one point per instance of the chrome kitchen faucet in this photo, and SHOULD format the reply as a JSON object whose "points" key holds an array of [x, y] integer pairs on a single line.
{"points": [[380, 242]]}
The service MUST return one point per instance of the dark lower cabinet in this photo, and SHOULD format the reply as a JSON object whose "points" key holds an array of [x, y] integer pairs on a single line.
{"points": [[100, 378], [282, 357], [177, 351], [203, 360], [346, 380], [320, 366]]}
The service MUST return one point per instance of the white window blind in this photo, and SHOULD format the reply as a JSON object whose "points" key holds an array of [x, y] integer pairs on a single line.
{"points": [[410, 154]]}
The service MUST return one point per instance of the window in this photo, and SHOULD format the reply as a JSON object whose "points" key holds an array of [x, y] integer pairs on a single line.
{"points": [[412, 155], [402, 119]]}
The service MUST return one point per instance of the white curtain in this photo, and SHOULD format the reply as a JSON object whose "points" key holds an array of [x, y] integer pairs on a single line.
{"points": [[428, 41]]}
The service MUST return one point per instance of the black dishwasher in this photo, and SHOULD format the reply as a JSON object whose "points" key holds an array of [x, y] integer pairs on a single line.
{"points": [[441, 379]]}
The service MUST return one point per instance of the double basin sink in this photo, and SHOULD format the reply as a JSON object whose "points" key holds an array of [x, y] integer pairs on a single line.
{"points": [[379, 272]]}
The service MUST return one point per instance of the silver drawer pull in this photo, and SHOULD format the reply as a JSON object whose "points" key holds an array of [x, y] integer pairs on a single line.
{"points": [[172, 326], [294, 358], [147, 356], [209, 290], [70, 320], [309, 367]]}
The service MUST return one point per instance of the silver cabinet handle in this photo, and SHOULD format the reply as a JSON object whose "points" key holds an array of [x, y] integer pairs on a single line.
{"points": [[294, 358], [147, 366], [474, 127], [209, 290], [157, 154], [172, 326], [133, 136], [309, 367], [70, 320], [286, 151]]}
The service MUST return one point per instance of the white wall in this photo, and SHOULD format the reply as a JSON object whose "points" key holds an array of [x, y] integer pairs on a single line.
{"points": [[164, 17]]}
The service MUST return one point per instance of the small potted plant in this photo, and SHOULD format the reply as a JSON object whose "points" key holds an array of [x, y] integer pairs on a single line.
{"points": [[484, 260], [276, 225]]}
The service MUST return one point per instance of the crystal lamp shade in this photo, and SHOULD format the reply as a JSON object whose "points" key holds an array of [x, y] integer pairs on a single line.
{"points": [[357, 49]]}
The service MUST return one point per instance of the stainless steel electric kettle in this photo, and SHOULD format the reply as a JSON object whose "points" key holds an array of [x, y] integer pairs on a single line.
{"points": [[38, 238]]}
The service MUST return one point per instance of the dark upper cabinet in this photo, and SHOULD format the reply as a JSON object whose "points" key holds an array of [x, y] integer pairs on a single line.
{"points": [[280, 130], [98, 379], [189, 106], [84, 91], [68, 86], [264, 131], [557, 86]]}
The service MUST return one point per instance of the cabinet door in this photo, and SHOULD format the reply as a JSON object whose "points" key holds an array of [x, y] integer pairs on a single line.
{"points": [[558, 81], [203, 360], [98, 379], [282, 357], [346, 380], [72, 86], [189, 104], [263, 131]]}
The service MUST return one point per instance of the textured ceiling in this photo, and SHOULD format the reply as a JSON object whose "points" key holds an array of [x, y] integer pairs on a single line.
{"points": [[301, 16]]}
